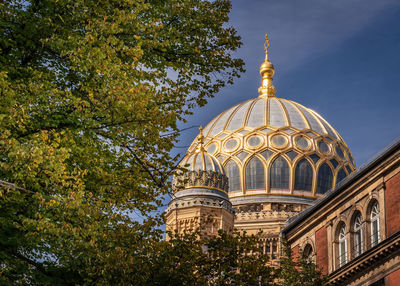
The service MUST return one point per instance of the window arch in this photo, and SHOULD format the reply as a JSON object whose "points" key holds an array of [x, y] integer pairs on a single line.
{"points": [[308, 251], [325, 178], [342, 245], [254, 172], [358, 236], [233, 174], [340, 176], [303, 176], [375, 227], [279, 174]]}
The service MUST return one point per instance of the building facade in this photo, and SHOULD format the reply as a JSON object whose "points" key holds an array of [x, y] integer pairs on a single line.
{"points": [[353, 233], [280, 160]]}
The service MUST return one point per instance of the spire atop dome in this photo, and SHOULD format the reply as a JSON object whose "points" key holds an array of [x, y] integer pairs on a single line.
{"points": [[267, 72], [200, 139]]}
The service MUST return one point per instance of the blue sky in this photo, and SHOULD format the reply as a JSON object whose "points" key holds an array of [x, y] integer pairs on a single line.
{"points": [[340, 58]]}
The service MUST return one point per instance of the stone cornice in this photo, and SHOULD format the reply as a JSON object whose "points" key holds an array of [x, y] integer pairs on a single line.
{"points": [[372, 256]]}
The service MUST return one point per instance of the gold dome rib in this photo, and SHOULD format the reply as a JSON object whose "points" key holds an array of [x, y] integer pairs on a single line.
{"points": [[226, 113], [330, 126], [288, 123], [313, 114], [306, 111], [296, 117], [307, 123], [209, 125], [248, 112], [236, 111], [280, 114], [267, 112]]}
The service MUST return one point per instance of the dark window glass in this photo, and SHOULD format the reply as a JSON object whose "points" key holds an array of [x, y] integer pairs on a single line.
{"points": [[314, 157], [279, 174], [323, 147], [303, 176], [307, 252], [339, 152], [291, 154], [340, 176], [334, 163], [267, 153], [233, 173], [255, 178], [242, 155], [324, 180]]}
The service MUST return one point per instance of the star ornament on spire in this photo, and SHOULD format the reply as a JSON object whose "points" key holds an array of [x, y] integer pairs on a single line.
{"points": [[266, 46]]}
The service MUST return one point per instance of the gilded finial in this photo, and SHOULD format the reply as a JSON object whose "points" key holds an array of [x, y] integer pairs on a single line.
{"points": [[201, 139], [266, 46], [267, 71]]}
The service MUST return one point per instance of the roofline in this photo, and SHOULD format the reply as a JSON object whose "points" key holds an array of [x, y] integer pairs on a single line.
{"points": [[378, 158]]}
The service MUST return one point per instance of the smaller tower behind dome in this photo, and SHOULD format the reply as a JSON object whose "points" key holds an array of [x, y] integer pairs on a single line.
{"points": [[200, 200]]}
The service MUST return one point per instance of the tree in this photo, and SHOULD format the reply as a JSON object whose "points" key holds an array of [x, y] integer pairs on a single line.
{"points": [[91, 93], [226, 259], [299, 271]]}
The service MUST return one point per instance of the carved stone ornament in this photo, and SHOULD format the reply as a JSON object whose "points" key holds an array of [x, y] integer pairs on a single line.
{"points": [[208, 179]]}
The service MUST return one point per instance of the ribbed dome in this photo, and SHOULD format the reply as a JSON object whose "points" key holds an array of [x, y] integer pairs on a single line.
{"points": [[202, 171], [202, 161], [269, 112], [274, 149]]}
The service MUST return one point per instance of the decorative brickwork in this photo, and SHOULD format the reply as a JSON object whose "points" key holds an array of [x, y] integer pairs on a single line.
{"points": [[392, 200], [393, 279], [321, 242]]}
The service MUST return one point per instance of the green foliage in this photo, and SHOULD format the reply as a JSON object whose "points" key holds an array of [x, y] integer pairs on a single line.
{"points": [[299, 271], [226, 259], [89, 93], [90, 96]]}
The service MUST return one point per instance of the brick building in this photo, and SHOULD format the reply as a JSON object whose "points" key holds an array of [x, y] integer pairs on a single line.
{"points": [[353, 233], [271, 164]]}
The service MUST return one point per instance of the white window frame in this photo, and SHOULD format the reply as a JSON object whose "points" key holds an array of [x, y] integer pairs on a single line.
{"points": [[358, 236], [375, 225], [342, 247]]}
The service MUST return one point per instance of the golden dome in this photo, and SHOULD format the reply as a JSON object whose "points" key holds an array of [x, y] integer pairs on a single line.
{"points": [[202, 170], [275, 150]]}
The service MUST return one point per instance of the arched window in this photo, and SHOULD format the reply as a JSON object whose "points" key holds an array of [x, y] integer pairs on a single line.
{"points": [[375, 224], [255, 178], [279, 174], [303, 176], [342, 243], [357, 235], [233, 174], [308, 251], [324, 181], [340, 176]]}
